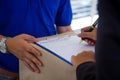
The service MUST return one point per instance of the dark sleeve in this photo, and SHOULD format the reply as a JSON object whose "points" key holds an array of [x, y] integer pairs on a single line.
{"points": [[86, 71], [108, 41]]}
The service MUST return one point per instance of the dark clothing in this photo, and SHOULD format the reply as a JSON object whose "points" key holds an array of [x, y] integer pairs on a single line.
{"points": [[108, 44], [86, 71]]}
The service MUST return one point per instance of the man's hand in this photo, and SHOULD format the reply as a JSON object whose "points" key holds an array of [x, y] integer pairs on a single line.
{"points": [[86, 56], [90, 37], [20, 47]]}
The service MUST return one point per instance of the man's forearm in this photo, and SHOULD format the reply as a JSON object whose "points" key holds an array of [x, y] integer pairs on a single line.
{"points": [[63, 29]]}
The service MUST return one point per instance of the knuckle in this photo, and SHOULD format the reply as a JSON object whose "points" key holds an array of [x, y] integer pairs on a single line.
{"points": [[35, 60], [23, 59]]}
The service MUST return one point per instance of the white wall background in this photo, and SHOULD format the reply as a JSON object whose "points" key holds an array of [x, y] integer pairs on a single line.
{"points": [[84, 13]]}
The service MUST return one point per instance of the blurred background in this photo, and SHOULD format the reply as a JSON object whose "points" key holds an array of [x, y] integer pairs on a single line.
{"points": [[84, 13]]}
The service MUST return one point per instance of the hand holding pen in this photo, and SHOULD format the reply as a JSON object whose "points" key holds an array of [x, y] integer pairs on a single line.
{"points": [[88, 34]]}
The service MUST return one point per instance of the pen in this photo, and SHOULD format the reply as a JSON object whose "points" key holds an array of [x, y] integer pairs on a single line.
{"points": [[90, 29]]}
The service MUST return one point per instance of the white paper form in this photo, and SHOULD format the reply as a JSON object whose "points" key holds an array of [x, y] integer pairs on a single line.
{"points": [[66, 46]]}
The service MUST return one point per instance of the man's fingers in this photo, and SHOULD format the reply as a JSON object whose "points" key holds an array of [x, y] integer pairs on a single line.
{"points": [[33, 50], [29, 38], [32, 55], [73, 56], [28, 66], [86, 35], [34, 59], [85, 29], [79, 35], [32, 65]]}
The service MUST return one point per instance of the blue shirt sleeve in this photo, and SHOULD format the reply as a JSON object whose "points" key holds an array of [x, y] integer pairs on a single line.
{"points": [[64, 14]]}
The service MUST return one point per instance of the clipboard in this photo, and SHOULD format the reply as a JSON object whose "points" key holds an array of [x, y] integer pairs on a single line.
{"points": [[55, 66]]}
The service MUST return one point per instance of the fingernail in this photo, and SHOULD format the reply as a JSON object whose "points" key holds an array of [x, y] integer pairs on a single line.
{"points": [[39, 54], [37, 71], [40, 64]]}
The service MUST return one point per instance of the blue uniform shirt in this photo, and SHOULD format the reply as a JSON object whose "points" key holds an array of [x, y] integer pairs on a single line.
{"points": [[33, 17]]}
